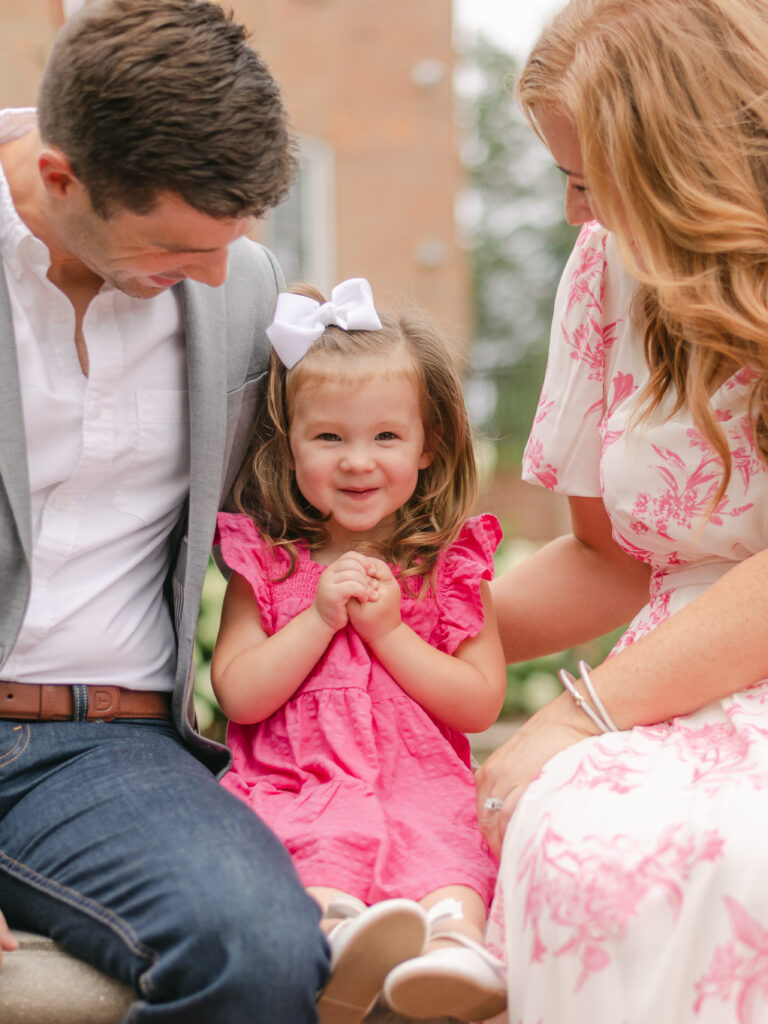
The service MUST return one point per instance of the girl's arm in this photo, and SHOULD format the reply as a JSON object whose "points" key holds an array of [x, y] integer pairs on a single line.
{"points": [[254, 674], [465, 690], [572, 590]]}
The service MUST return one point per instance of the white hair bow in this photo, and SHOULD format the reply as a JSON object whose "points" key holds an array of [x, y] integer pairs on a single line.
{"points": [[299, 321]]}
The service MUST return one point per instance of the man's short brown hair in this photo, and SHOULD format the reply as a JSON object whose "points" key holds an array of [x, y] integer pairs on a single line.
{"points": [[153, 96]]}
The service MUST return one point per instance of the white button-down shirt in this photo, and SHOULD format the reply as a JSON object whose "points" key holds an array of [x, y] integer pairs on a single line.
{"points": [[108, 459]]}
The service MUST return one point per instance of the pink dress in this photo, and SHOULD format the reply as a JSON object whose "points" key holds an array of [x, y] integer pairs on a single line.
{"points": [[368, 792], [634, 879]]}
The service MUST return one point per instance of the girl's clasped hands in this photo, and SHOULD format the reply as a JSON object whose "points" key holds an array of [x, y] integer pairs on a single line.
{"points": [[361, 590]]}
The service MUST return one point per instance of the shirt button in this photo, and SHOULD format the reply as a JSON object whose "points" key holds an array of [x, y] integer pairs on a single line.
{"points": [[59, 315]]}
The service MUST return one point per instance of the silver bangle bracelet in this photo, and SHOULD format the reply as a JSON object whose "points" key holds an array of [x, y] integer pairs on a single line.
{"points": [[570, 684], [585, 673]]}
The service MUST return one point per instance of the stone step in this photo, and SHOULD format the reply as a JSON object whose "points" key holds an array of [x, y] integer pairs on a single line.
{"points": [[41, 984]]}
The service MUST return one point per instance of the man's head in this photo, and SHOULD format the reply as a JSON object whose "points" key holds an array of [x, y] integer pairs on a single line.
{"points": [[155, 97]]}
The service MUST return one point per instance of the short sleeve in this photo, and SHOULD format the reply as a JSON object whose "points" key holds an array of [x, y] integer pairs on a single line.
{"points": [[463, 565], [246, 552], [563, 450]]}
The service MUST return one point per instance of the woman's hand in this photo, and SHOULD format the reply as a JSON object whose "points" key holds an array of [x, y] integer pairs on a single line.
{"points": [[346, 578], [511, 768], [379, 614]]}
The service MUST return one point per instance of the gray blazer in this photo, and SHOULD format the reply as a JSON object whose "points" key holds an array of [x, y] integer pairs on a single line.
{"points": [[227, 355]]}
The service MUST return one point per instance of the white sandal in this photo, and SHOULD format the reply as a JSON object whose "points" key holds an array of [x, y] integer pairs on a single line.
{"points": [[466, 982], [365, 945]]}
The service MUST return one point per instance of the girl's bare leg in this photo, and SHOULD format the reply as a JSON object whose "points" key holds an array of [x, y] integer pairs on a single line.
{"points": [[324, 896], [472, 923]]}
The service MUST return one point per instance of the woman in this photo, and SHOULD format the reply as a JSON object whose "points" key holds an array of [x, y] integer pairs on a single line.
{"points": [[632, 884]]}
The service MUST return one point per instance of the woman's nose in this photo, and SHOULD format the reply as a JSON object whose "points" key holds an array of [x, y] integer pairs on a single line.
{"points": [[577, 208]]}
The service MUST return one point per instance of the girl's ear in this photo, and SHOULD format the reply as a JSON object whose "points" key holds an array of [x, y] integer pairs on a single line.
{"points": [[431, 442]]}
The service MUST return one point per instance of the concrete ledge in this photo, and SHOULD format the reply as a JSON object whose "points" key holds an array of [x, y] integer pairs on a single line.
{"points": [[41, 984]]}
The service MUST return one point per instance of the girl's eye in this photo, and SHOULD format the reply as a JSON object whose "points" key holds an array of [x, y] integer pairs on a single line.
{"points": [[386, 435], [328, 437]]}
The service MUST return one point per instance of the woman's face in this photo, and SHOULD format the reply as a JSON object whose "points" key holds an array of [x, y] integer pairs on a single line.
{"points": [[559, 132]]}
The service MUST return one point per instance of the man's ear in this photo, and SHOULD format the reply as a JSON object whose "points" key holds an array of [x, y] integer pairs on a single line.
{"points": [[56, 172]]}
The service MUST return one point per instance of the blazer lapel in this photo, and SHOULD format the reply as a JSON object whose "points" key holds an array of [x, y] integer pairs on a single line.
{"points": [[13, 452], [205, 325]]}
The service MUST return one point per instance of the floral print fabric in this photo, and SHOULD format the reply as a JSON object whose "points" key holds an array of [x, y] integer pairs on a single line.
{"points": [[632, 887]]}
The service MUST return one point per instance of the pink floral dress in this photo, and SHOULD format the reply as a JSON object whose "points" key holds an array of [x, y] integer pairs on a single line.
{"points": [[369, 793], [634, 879]]}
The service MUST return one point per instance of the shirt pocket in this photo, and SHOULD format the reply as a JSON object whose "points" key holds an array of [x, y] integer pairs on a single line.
{"points": [[156, 476]]}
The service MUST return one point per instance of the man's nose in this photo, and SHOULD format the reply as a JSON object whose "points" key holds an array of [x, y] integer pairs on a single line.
{"points": [[209, 268]]}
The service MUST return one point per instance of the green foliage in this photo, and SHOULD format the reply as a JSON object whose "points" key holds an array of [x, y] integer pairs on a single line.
{"points": [[512, 216], [209, 715]]}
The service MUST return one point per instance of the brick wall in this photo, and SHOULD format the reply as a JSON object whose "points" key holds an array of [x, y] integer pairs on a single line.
{"points": [[350, 75]]}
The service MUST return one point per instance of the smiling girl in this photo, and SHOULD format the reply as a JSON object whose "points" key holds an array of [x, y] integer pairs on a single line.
{"points": [[357, 645]]}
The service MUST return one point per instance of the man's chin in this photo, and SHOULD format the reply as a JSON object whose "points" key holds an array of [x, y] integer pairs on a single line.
{"points": [[144, 289]]}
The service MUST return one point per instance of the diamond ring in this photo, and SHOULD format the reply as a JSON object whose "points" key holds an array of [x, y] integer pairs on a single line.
{"points": [[492, 803]]}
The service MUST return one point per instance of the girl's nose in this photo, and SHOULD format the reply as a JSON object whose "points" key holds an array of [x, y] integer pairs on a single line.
{"points": [[357, 460]]}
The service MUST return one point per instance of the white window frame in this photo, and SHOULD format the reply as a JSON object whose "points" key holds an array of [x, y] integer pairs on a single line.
{"points": [[313, 199]]}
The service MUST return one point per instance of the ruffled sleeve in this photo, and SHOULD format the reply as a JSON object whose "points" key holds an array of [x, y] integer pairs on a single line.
{"points": [[563, 450], [462, 566], [246, 552]]}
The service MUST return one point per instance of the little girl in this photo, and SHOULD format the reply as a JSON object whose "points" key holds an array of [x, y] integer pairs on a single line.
{"points": [[358, 643]]}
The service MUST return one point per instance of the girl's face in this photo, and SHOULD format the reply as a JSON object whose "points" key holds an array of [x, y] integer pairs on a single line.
{"points": [[357, 450]]}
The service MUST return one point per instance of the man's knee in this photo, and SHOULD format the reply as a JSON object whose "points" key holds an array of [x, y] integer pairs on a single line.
{"points": [[263, 942]]}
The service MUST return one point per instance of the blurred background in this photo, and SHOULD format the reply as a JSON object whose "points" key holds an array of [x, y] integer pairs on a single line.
{"points": [[417, 172]]}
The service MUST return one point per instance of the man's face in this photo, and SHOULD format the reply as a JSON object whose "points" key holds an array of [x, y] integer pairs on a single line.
{"points": [[145, 254]]}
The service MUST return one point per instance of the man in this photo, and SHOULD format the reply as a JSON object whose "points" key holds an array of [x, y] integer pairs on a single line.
{"points": [[128, 368]]}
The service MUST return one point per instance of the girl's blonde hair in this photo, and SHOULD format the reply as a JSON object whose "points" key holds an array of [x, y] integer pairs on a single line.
{"points": [[669, 99], [446, 490]]}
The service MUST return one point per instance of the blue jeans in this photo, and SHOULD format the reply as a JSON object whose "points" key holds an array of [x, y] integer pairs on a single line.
{"points": [[118, 843]]}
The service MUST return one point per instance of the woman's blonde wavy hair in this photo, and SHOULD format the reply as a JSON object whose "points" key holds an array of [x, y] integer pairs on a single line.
{"points": [[407, 344], [669, 99]]}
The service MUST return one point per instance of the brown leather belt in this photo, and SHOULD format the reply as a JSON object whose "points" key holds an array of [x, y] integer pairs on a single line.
{"points": [[81, 702]]}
